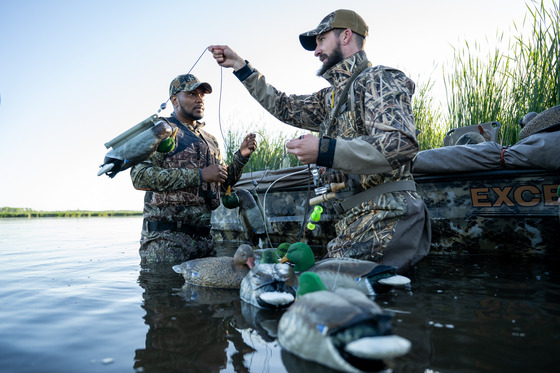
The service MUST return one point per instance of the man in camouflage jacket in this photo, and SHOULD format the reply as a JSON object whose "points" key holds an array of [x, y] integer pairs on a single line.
{"points": [[183, 186], [367, 138]]}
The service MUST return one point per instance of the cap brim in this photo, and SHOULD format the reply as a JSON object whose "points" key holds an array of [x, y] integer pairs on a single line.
{"points": [[205, 86], [308, 42]]}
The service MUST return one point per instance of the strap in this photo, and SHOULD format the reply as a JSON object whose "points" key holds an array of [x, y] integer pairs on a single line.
{"points": [[352, 96], [344, 96], [372, 193]]}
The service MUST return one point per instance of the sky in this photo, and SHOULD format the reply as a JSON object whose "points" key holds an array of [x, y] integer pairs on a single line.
{"points": [[74, 74]]}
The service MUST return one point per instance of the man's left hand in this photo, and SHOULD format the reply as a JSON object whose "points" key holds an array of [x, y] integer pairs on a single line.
{"points": [[305, 148], [248, 145]]}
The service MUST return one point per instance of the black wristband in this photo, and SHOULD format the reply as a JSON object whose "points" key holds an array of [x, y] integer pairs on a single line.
{"points": [[326, 152], [244, 72]]}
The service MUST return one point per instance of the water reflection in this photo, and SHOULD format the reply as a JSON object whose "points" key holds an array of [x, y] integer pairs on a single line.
{"points": [[263, 322], [189, 330]]}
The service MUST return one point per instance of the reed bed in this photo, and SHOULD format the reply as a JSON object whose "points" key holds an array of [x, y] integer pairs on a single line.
{"points": [[506, 85], [502, 86]]}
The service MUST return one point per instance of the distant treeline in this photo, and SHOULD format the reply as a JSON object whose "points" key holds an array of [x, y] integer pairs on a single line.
{"points": [[17, 212]]}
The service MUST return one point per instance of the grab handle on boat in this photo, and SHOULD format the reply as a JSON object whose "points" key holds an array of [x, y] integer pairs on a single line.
{"points": [[332, 187], [322, 198]]}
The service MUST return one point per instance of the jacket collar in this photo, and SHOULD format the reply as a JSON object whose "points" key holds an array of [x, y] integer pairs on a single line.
{"points": [[343, 70], [194, 127]]}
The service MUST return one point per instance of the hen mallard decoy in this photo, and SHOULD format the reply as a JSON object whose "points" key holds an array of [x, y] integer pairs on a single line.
{"points": [[269, 285], [343, 330], [368, 277], [218, 272]]}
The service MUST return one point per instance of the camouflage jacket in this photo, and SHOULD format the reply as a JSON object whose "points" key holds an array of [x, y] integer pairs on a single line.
{"points": [[173, 182], [376, 120]]}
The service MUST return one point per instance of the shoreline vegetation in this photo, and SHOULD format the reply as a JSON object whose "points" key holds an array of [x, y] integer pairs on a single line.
{"points": [[17, 212]]}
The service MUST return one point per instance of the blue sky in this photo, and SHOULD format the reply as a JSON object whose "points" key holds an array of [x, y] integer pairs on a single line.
{"points": [[75, 74]]}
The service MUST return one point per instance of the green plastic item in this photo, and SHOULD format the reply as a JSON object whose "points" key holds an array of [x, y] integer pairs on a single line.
{"points": [[230, 200], [166, 145], [315, 217]]}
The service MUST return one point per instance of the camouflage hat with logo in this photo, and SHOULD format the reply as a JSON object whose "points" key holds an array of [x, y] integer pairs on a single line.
{"points": [[187, 83], [342, 18]]}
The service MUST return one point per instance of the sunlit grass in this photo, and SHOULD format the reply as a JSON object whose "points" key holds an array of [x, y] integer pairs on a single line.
{"points": [[506, 85], [270, 153]]}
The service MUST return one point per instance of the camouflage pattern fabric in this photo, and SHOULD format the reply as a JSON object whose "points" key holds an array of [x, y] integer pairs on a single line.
{"points": [[381, 116], [173, 247], [176, 193]]}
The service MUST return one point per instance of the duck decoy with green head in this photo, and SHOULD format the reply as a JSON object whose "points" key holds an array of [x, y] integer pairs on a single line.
{"points": [[218, 272], [341, 329], [368, 277], [269, 285]]}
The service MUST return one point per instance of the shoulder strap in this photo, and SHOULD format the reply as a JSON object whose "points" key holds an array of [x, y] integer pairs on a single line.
{"points": [[344, 95], [352, 96]]}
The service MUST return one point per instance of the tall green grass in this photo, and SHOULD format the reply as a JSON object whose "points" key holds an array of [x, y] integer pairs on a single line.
{"points": [[270, 153], [506, 85], [428, 117], [502, 86]]}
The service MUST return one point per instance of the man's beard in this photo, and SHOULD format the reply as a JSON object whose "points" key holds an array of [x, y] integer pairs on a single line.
{"points": [[332, 60], [191, 115]]}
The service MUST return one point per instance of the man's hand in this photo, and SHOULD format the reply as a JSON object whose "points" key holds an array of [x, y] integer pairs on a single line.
{"points": [[305, 148], [214, 173], [248, 145], [226, 57]]}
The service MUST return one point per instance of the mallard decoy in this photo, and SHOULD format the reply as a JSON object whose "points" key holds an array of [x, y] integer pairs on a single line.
{"points": [[368, 277], [343, 330], [136, 145], [282, 249], [269, 285], [218, 272]]}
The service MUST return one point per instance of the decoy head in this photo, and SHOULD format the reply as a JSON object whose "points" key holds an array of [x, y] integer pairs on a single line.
{"points": [[168, 144], [282, 249], [309, 282], [269, 257], [244, 256], [301, 255], [230, 199]]}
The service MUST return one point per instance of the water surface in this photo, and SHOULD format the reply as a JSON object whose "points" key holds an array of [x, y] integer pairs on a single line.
{"points": [[73, 298]]}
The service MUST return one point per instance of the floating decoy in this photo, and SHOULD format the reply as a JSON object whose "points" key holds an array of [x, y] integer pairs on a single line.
{"points": [[218, 272], [368, 277], [269, 285], [341, 329]]}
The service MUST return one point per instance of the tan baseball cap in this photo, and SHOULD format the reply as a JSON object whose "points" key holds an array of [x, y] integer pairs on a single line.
{"points": [[342, 18]]}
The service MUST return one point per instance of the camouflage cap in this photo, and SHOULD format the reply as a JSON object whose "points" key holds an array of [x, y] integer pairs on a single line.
{"points": [[187, 83], [342, 18]]}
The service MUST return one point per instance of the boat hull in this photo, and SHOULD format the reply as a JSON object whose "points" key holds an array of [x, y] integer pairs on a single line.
{"points": [[512, 212]]}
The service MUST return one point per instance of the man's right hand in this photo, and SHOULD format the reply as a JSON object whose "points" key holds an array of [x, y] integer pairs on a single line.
{"points": [[226, 57], [214, 173]]}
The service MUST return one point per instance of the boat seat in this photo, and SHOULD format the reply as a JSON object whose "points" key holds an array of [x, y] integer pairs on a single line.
{"points": [[492, 128]]}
